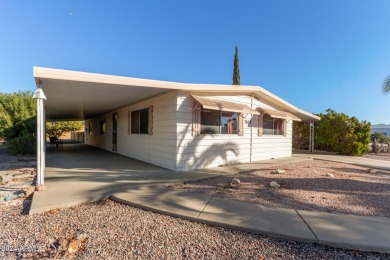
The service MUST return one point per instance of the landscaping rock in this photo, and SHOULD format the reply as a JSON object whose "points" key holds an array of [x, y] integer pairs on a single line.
{"points": [[236, 181], [40, 188], [82, 236], [29, 190], [274, 184], [63, 242], [279, 171], [10, 197], [329, 175], [74, 246]]}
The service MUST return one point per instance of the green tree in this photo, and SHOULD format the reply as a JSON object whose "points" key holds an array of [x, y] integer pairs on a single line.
{"points": [[380, 137], [236, 69], [56, 129], [18, 121], [340, 133], [336, 132]]}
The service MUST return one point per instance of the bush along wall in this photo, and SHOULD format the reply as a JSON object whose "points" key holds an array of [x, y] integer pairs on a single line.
{"points": [[336, 132], [18, 122]]}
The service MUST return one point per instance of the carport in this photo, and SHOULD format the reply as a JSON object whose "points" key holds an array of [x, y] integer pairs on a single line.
{"points": [[70, 95]]}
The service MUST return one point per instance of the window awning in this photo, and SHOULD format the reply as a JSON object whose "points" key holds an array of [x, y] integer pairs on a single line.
{"points": [[279, 114], [218, 104]]}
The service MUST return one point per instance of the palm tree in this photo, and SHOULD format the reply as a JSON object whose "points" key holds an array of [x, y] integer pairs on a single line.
{"points": [[386, 85]]}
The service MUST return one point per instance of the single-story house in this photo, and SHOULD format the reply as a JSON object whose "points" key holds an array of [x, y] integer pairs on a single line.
{"points": [[177, 126]]}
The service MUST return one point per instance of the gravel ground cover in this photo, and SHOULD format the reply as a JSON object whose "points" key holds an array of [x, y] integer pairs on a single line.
{"points": [[378, 156], [110, 230], [313, 185], [17, 176]]}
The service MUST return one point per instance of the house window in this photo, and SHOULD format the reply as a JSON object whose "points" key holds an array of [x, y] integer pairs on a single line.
{"points": [[272, 126], [218, 122], [102, 128], [140, 121]]}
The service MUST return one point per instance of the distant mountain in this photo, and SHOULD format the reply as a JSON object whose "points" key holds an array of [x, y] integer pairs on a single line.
{"points": [[380, 126]]}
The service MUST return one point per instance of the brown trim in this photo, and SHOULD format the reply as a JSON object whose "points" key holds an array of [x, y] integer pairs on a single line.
{"points": [[240, 124]]}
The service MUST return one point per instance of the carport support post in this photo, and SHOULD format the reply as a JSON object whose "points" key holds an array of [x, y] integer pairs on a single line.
{"points": [[311, 137], [40, 96]]}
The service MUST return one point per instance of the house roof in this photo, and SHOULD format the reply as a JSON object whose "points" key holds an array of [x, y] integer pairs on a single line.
{"points": [[74, 95]]}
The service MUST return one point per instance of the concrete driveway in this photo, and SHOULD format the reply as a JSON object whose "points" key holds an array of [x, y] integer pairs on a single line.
{"points": [[79, 173]]}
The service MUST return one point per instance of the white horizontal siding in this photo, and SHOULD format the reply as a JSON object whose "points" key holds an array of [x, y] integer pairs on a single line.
{"points": [[172, 145], [159, 148], [214, 150]]}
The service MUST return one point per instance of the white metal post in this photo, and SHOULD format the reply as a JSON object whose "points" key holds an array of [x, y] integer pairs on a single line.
{"points": [[40, 96], [309, 137], [312, 143]]}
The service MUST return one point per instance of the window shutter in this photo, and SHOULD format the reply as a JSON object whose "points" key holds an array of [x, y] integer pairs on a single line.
{"points": [[261, 123], [195, 121], [150, 120], [285, 128], [240, 124]]}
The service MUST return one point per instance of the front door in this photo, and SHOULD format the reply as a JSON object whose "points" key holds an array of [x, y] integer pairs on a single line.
{"points": [[114, 130]]}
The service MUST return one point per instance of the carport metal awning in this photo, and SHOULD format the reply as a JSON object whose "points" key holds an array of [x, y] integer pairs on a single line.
{"points": [[217, 104], [79, 96]]}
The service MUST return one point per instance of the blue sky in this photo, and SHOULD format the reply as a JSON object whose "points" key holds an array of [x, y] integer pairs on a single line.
{"points": [[314, 54]]}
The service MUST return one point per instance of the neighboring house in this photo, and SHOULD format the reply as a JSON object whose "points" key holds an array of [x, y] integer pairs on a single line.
{"points": [[174, 125]]}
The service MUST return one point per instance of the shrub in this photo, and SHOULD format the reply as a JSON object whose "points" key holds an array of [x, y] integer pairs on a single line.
{"points": [[18, 122], [380, 137], [336, 132]]}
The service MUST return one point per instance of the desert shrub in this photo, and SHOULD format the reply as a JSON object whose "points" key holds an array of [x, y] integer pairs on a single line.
{"points": [[380, 137], [18, 122], [336, 132], [378, 147]]}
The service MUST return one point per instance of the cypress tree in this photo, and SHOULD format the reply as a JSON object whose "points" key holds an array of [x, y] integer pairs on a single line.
{"points": [[236, 70]]}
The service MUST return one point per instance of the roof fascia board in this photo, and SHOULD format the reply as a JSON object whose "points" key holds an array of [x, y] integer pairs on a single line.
{"points": [[41, 73]]}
